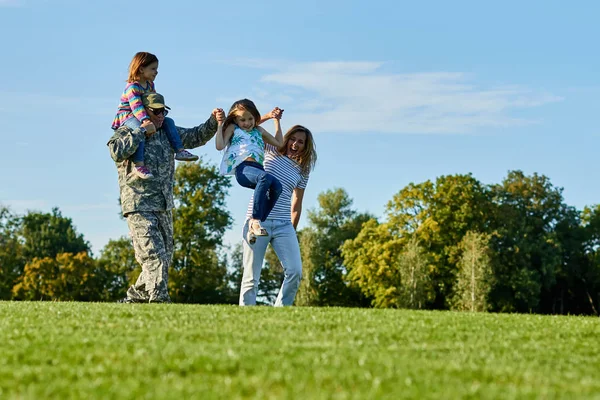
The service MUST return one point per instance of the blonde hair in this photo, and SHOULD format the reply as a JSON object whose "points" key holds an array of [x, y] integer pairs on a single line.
{"points": [[308, 158], [141, 60]]}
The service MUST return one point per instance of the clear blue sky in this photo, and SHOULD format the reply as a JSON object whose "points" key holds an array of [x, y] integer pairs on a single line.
{"points": [[395, 92]]}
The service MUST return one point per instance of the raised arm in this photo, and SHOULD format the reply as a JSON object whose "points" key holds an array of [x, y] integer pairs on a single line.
{"points": [[125, 141], [199, 135], [276, 141], [297, 197], [223, 138], [274, 113]]}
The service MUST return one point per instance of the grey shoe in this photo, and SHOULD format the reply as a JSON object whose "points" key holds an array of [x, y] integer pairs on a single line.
{"points": [[185, 155]]}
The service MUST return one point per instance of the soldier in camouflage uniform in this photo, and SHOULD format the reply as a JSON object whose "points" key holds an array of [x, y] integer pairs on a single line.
{"points": [[148, 204]]}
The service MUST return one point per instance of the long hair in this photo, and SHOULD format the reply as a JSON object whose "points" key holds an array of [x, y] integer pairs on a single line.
{"points": [[141, 60], [308, 158], [241, 106]]}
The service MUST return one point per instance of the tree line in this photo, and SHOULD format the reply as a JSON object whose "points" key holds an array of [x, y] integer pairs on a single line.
{"points": [[452, 243]]}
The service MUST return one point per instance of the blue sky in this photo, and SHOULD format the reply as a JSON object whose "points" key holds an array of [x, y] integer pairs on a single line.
{"points": [[395, 92]]}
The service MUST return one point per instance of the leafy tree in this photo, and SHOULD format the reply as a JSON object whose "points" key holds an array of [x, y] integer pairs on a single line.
{"points": [[198, 274], [204, 280], [307, 293], [48, 234], [235, 262], [474, 275], [438, 215], [371, 259], [525, 242], [35, 235], [12, 260], [325, 280], [67, 277], [414, 275], [121, 269], [578, 281]]}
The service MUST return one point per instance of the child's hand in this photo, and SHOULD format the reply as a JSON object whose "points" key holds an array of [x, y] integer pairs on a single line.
{"points": [[219, 115], [149, 127], [276, 113]]}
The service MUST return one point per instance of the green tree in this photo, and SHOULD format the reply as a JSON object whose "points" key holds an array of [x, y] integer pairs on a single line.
{"points": [[325, 281], [12, 260], [67, 277], [307, 293], [121, 269], [528, 253], [34, 236], [414, 275], [48, 234], [235, 262], [438, 215], [474, 275], [371, 259], [579, 279], [198, 273]]}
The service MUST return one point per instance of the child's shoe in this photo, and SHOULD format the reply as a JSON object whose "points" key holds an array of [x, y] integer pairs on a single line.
{"points": [[142, 172], [254, 230], [185, 155]]}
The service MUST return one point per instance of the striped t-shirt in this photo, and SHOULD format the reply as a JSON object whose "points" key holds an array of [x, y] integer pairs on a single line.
{"points": [[131, 103], [288, 172]]}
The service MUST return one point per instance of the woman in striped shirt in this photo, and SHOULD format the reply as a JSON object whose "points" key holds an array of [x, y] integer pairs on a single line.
{"points": [[291, 164]]}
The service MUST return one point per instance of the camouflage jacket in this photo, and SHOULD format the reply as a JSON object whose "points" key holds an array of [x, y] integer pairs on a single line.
{"points": [[154, 194]]}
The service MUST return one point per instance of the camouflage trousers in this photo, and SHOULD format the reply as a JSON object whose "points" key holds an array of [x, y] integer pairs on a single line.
{"points": [[152, 236]]}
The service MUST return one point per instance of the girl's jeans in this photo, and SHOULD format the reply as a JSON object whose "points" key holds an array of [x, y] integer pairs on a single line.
{"points": [[266, 187]]}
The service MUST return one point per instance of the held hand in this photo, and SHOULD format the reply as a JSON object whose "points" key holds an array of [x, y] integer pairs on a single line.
{"points": [[149, 127], [219, 115], [276, 113]]}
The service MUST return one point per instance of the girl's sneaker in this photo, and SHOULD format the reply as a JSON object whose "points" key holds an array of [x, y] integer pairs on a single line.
{"points": [[142, 172], [185, 155]]}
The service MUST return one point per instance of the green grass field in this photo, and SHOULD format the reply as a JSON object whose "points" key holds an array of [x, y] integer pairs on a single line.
{"points": [[133, 351]]}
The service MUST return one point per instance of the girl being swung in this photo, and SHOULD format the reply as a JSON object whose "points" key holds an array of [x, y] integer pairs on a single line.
{"points": [[244, 144]]}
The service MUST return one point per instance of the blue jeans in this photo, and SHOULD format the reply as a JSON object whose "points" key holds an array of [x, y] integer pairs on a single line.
{"points": [[282, 236], [170, 131], [266, 187]]}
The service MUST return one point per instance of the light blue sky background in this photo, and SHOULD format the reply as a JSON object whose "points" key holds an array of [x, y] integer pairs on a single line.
{"points": [[395, 92]]}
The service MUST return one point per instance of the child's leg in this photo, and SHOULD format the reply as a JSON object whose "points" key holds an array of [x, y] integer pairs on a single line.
{"points": [[246, 174], [275, 189], [252, 175], [173, 134], [138, 156]]}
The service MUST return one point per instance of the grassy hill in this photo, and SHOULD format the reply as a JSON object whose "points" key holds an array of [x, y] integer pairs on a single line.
{"points": [[133, 351]]}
